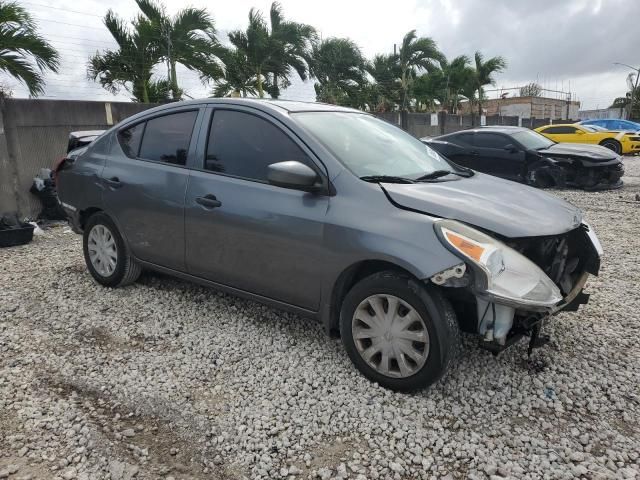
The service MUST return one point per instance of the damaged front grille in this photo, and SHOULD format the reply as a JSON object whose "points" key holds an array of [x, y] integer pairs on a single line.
{"points": [[564, 258]]}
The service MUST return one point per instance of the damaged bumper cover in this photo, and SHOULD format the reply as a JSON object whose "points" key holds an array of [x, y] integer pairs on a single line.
{"points": [[565, 261], [578, 172]]}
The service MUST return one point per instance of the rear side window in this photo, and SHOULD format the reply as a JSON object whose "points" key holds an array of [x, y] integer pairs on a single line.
{"points": [[559, 130], [244, 145], [166, 139], [490, 140], [129, 140], [462, 138]]}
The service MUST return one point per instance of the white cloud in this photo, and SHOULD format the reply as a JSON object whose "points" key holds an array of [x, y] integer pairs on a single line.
{"points": [[554, 42]]}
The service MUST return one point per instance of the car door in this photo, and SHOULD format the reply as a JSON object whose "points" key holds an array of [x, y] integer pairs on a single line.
{"points": [[243, 232], [460, 149], [498, 154], [145, 180]]}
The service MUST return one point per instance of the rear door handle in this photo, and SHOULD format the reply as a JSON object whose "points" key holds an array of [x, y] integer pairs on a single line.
{"points": [[113, 182], [474, 152], [209, 201]]}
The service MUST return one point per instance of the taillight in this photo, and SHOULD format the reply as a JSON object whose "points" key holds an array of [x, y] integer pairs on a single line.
{"points": [[57, 164]]}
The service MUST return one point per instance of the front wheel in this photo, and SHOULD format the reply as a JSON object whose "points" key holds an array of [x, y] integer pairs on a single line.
{"points": [[398, 332], [106, 254], [612, 144]]}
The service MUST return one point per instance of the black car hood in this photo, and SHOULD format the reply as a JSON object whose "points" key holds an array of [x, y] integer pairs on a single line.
{"points": [[507, 208], [593, 153]]}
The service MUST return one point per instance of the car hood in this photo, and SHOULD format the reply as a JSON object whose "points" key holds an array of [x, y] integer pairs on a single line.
{"points": [[582, 150], [507, 208]]}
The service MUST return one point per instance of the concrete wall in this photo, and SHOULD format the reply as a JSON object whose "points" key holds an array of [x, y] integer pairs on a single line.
{"points": [[34, 133], [603, 113]]}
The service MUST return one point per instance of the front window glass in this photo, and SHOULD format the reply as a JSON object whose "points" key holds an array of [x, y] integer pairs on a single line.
{"points": [[532, 140], [369, 146]]}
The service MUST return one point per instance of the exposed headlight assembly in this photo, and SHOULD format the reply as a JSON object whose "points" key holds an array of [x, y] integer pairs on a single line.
{"points": [[507, 276]]}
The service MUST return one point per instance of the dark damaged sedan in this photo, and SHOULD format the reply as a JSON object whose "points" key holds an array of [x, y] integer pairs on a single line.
{"points": [[333, 214], [525, 156]]}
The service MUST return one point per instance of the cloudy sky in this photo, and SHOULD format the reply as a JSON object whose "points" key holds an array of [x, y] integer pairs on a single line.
{"points": [[563, 45]]}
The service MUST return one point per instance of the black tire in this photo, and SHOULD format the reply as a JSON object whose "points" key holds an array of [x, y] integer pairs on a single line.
{"points": [[436, 312], [612, 144], [127, 270]]}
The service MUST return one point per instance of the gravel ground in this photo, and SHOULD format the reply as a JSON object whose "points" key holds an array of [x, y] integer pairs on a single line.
{"points": [[165, 379]]}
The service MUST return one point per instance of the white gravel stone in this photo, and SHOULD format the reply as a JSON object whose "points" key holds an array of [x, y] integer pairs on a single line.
{"points": [[164, 375]]}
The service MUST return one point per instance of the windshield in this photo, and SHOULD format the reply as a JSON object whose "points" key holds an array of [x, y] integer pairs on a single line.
{"points": [[532, 140], [372, 147]]}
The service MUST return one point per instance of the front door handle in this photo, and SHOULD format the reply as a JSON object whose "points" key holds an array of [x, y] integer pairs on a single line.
{"points": [[113, 182], [474, 152], [209, 201]]}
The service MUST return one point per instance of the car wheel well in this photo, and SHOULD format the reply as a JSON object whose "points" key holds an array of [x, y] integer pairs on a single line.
{"points": [[348, 278], [85, 214], [612, 141]]}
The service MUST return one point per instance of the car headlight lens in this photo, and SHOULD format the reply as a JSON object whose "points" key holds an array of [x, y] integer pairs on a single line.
{"points": [[510, 276]]}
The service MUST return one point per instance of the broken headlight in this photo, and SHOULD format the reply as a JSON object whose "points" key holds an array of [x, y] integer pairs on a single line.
{"points": [[509, 277]]}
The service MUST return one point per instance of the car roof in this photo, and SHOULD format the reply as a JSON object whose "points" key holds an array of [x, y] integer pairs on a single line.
{"points": [[508, 129], [265, 105]]}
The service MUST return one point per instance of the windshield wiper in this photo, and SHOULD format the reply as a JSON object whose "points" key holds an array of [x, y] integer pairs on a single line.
{"points": [[443, 173], [386, 179]]}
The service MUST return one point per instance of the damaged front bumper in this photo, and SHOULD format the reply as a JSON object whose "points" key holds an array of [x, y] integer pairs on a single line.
{"points": [[567, 260]]}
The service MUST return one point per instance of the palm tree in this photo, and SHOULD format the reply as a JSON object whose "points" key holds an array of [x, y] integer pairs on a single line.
{"points": [[129, 66], [416, 53], [292, 43], [188, 38], [385, 70], [337, 65], [238, 79], [255, 45], [458, 75], [24, 54], [484, 74]]}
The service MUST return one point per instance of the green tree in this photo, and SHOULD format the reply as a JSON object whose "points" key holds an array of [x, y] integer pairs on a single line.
{"points": [[187, 38], [24, 54], [255, 45], [337, 65], [291, 47], [531, 90], [415, 54], [385, 70], [238, 80], [130, 65], [485, 69]]}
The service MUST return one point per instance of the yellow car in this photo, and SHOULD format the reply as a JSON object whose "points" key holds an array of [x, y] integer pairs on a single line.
{"points": [[619, 142]]}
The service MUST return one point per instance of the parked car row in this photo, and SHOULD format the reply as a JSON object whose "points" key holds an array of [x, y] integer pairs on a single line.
{"points": [[526, 156], [332, 213]]}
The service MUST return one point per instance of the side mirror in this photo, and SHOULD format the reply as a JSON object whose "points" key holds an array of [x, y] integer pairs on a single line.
{"points": [[579, 132], [293, 174], [511, 148]]}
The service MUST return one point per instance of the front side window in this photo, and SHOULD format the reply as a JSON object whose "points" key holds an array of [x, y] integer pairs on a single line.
{"points": [[369, 146], [166, 139], [490, 140], [244, 145], [129, 140]]}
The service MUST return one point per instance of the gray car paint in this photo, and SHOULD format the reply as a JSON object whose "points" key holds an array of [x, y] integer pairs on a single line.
{"points": [[285, 247], [507, 208]]}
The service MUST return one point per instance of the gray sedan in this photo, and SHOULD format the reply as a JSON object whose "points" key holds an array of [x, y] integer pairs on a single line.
{"points": [[334, 214]]}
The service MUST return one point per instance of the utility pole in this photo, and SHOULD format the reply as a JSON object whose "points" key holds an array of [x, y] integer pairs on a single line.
{"points": [[634, 91]]}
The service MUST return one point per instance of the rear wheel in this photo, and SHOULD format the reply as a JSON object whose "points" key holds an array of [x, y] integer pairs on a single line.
{"points": [[612, 144], [105, 253], [398, 332]]}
